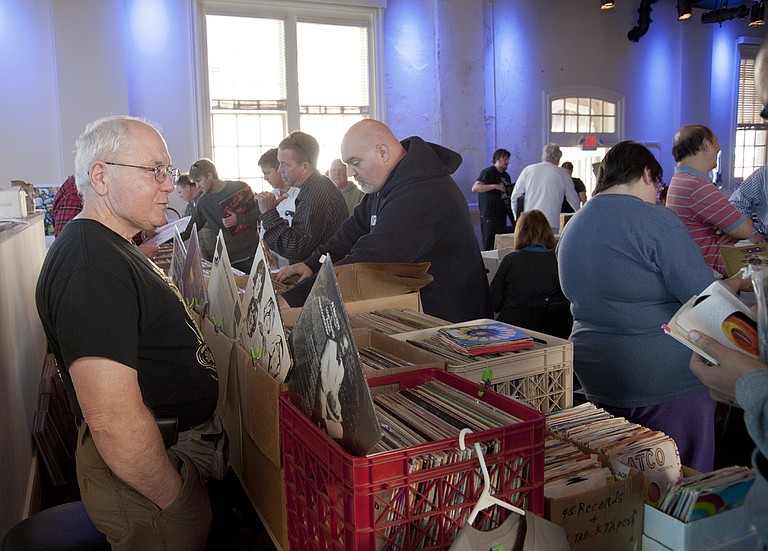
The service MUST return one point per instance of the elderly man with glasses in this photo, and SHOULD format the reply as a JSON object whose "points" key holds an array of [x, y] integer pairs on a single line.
{"points": [[133, 361], [320, 206]]}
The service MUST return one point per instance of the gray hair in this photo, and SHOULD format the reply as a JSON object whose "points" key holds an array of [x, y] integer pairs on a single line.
{"points": [[551, 153], [101, 137]]}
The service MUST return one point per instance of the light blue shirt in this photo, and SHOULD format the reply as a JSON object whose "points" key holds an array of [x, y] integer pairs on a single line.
{"points": [[751, 197]]}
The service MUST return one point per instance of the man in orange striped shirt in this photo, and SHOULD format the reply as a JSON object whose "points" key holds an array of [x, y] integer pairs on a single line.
{"points": [[710, 219]]}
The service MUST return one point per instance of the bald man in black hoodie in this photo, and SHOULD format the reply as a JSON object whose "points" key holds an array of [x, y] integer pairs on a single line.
{"points": [[412, 212]]}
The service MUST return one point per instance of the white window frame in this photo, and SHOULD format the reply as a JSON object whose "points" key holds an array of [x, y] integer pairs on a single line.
{"points": [[571, 139], [357, 12], [747, 47]]}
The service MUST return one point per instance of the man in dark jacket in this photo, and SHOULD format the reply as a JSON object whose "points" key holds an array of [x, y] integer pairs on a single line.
{"points": [[412, 212]]}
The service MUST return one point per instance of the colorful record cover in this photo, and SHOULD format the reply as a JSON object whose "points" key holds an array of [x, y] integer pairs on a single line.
{"points": [[484, 334], [239, 202], [327, 380], [193, 287]]}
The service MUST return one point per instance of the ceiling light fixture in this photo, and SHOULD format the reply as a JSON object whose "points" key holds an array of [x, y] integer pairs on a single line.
{"points": [[606, 4], [757, 14], [725, 14], [684, 10]]}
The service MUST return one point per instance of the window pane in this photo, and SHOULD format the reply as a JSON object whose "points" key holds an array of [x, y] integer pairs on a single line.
{"points": [[583, 106], [224, 130], [558, 106], [597, 124], [333, 64], [570, 123], [233, 43], [558, 123], [570, 105], [597, 106], [583, 124], [609, 124]]}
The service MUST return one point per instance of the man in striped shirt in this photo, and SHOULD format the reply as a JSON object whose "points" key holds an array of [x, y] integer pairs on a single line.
{"points": [[752, 197], [320, 207], [710, 219]]}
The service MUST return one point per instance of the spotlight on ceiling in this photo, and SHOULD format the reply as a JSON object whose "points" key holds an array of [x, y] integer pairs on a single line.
{"points": [[684, 10], [606, 4], [725, 14], [757, 14]]}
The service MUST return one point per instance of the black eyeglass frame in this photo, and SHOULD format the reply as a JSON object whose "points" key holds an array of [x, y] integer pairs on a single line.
{"points": [[166, 171]]}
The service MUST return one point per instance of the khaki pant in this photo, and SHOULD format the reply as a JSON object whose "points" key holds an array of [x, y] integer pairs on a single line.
{"points": [[132, 522]]}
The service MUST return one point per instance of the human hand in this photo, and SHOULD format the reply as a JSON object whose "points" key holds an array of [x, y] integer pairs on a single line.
{"points": [[267, 200], [150, 251], [300, 268], [720, 379], [758, 238], [230, 220]]}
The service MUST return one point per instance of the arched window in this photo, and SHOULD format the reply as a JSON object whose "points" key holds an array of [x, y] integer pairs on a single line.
{"points": [[585, 121]]}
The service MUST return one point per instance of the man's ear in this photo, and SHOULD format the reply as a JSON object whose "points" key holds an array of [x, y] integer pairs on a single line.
{"points": [[383, 150], [96, 174]]}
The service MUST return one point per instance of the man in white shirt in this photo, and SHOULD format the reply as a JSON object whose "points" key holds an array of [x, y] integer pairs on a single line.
{"points": [[545, 185]]}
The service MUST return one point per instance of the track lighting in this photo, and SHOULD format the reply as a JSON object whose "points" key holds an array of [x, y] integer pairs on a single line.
{"points": [[757, 14], [684, 10], [606, 4]]}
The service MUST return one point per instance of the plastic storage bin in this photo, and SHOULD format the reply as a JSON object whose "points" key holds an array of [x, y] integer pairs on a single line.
{"points": [[541, 376], [338, 501]]}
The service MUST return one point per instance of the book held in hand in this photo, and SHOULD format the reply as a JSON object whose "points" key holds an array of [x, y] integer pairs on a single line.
{"points": [[486, 338], [239, 202], [718, 313]]}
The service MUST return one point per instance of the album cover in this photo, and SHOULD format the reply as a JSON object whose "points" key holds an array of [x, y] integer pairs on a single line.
{"points": [[327, 380], [192, 285], [261, 330], [239, 202], [224, 308], [484, 338], [177, 260], [720, 314], [736, 258]]}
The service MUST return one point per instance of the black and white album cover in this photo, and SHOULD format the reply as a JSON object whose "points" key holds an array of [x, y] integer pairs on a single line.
{"points": [[224, 308], [261, 329], [327, 381], [178, 259]]}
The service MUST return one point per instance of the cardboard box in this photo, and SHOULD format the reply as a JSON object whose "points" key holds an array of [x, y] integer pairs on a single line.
{"points": [[411, 301], [729, 530], [606, 519], [13, 203], [366, 338], [504, 241], [264, 482], [259, 394]]}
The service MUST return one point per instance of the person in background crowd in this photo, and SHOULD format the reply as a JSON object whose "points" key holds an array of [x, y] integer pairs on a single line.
{"points": [[320, 206], [711, 220], [545, 185], [352, 194], [240, 230], [188, 191], [284, 193], [751, 199], [578, 185], [627, 265], [413, 212], [527, 276], [132, 357], [491, 188], [66, 205]]}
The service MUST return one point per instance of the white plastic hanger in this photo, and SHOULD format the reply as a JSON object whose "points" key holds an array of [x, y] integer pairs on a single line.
{"points": [[486, 499]]}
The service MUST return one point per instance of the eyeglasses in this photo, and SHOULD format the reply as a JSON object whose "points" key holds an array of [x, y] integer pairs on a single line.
{"points": [[162, 173]]}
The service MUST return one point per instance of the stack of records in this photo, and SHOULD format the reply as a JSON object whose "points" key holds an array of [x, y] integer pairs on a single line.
{"points": [[431, 412], [569, 471], [623, 443], [391, 321], [486, 338], [706, 494]]}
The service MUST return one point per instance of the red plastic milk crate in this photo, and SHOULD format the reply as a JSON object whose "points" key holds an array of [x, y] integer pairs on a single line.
{"points": [[341, 502]]}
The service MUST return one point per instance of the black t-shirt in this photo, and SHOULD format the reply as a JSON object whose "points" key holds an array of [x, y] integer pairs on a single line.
{"points": [[491, 203], [98, 295], [579, 186]]}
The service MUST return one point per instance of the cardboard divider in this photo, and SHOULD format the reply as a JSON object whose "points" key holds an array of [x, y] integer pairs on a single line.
{"points": [[367, 338]]}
